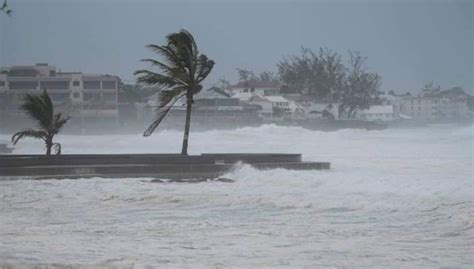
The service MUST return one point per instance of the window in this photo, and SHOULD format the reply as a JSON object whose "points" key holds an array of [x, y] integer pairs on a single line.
{"points": [[88, 96], [76, 95], [23, 73], [23, 85], [76, 83], [54, 85], [109, 97], [92, 84], [59, 97], [246, 90], [109, 85], [2, 83], [52, 73]]}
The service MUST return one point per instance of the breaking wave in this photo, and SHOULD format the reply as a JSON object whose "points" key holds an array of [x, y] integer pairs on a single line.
{"points": [[401, 197]]}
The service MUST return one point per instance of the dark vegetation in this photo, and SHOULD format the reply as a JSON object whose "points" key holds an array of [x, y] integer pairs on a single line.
{"points": [[180, 74], [40, 109]]}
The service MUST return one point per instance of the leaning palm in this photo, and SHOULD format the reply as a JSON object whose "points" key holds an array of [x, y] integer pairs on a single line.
{"points": [[40, 109], [179, 74]]}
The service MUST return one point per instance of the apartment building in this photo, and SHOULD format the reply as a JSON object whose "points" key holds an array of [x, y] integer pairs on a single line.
{"points": [[451, 104], [89, 98]]}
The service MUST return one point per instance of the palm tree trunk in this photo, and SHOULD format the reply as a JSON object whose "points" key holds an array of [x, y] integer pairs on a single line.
{"points": [[48, 149], [49, 145], [189, 103]]}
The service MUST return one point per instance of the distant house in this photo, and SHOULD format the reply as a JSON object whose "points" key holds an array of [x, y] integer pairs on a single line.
{"points": [[266, 111], [215, 102], [321, 110], [254, 87], [277, 107], [377, 113], [243, 96]]}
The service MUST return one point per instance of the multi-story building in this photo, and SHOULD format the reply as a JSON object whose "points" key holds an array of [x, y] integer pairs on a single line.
{"points": [[87, 98], [451, 104]]}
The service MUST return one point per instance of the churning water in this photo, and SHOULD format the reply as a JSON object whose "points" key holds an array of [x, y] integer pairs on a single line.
{"points": [[393, 198]]}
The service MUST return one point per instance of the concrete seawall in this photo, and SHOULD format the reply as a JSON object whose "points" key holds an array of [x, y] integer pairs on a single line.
{"points": [[143, 165]]}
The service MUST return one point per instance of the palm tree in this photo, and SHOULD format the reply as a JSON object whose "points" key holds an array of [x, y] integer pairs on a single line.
{"points": [[40, 109], [181, 74]]}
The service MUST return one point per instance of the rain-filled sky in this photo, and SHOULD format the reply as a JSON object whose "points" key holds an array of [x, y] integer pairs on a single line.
{"points": [[408, 42]]}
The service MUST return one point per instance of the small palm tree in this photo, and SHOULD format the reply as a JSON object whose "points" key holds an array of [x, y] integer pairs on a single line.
{"points": [[40, 109], [181, 74]]}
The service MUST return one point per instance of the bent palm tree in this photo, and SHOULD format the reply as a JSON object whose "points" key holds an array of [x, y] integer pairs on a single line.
{"points": [[181, 74], [40, 109]]}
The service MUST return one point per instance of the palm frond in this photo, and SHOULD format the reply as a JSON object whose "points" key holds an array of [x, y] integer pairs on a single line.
{"points": [[178, 73], [203, 68], [59, 121], [166, 96], [160, 115], [185, 48], [152, 78], [57, 148], [39, 108], [28, 133], [167, 53]]}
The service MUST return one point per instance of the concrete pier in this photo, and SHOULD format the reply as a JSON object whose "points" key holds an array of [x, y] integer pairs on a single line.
{"points": [[172, 166]]}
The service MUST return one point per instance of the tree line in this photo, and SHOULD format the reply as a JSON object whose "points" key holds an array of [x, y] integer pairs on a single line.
{"points": [[323, 76]]}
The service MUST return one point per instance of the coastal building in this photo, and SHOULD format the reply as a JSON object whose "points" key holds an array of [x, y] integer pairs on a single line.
{"points": [[277, 107], [254, 87], [317, 110], [86, 97], [377, 113], [265, 105], [212, 108], [445, 105]]}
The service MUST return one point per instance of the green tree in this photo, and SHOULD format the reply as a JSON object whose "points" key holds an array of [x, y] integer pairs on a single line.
{"points": [[318, 75], [360, 89], [268, 76], [180, 74], [245, 74], [40, 109]]}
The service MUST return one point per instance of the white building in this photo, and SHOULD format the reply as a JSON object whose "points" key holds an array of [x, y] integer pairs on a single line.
{"points": [[277, 107], [74, 93], [321, 110], [254, 87], [90, 98], [377, 113], [451, 104]]}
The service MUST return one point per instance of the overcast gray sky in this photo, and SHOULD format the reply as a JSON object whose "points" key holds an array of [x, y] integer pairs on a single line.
{"points": [[407, 42]]}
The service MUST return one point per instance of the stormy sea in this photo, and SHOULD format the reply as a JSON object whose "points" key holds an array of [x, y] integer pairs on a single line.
{"points": [[396, 198]]}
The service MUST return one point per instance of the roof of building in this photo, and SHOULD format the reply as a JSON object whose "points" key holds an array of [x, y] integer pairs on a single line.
{"points": [[276, 98], [455, 93], [244, 96], [212, 93], [259, 98], [254, 84]]}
